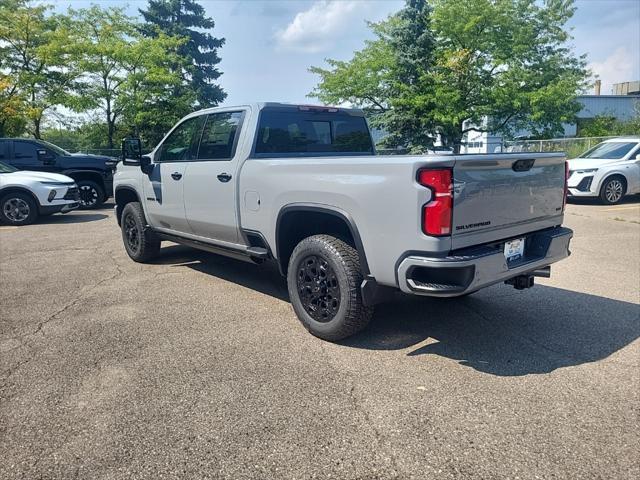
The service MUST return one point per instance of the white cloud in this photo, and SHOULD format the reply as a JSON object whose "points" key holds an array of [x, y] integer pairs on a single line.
{"points": [[320, 27], [617, 67]]}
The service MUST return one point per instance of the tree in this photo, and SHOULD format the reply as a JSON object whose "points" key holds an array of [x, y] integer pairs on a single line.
{"points": [[607, 125], [186, 18], [13, 117], [123, 72], [32, 52], [381, 78], [483, 65]]}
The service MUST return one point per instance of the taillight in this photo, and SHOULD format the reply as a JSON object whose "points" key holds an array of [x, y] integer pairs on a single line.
{"points": [[436, 215], [566, 184]]}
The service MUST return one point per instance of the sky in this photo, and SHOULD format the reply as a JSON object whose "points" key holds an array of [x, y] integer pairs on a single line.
{"points": [[270, 44]]}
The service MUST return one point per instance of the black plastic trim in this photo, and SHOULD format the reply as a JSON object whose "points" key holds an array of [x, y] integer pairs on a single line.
{"points": [[341, 214], [231, 252]]}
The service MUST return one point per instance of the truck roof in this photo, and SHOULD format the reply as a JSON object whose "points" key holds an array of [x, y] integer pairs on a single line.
{"points": [[285, 106]]}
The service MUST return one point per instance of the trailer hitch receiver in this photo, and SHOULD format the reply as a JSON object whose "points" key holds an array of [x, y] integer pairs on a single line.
{"points": [[521, 281]]}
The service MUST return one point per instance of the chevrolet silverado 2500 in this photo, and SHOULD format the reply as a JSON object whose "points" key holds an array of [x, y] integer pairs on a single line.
{"points": [[302, 186]]}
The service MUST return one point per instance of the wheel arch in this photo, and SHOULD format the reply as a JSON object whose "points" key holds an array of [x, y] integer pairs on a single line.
{"points": [[12, 189], [609, 175], [81, 174], [124, 195], [313, 219]]}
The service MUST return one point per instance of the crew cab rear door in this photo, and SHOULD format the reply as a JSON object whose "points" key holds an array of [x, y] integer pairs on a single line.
{"points": [[210, 179]]}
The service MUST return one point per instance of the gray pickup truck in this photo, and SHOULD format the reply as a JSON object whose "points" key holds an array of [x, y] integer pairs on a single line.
{"points": [[302, 186]]}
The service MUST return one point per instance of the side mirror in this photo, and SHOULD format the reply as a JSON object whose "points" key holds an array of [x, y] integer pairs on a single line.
{"points": [[145, 164], [638, 156], [131, 151]]}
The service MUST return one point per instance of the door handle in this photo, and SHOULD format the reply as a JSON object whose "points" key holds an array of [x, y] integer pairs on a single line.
{"points": [[176, 176], [224, 177]]}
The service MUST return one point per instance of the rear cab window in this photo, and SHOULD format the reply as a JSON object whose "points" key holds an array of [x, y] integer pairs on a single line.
{"points": [[311, 131]]}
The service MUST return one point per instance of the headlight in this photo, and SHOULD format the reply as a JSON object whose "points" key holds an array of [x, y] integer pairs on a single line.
{"points": [[53, 184], [587, 170]]}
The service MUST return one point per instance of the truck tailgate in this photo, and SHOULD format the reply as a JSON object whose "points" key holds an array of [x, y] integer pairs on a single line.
{"points": [[500, 196]]}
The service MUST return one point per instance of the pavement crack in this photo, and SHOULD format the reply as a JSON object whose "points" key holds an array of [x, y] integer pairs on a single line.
{"points": [[55, 315], [380, 438]]}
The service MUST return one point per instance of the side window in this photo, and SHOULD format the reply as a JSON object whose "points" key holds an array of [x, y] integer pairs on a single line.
{"points": [[219, 135], [291, 133], [182, 144], [3, 150], [24, 153]]}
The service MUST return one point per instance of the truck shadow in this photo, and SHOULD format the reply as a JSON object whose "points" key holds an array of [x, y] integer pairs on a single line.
{"points": [[506, 333], [498, 331]]}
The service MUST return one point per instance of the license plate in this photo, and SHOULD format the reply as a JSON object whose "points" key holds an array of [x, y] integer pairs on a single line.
{"points": [[514, 249]]}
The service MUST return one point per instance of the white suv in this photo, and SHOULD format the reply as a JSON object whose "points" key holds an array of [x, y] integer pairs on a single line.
{"points": [[25, 195], [610, 170]]}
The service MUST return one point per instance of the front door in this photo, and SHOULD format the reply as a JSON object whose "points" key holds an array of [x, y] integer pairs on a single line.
{"points": [[164, 185], [210, 181]]}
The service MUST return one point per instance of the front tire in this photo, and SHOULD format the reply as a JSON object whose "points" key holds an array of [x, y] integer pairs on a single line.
{"points": [[140, 243], [613, 190], [324, 279], [91, 194], [18, 209]]}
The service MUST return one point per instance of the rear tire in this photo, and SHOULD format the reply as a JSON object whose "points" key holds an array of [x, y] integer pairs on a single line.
{"points": [[324, 279], [140, 243], [18, 209], [613, 190], [91, 194]]}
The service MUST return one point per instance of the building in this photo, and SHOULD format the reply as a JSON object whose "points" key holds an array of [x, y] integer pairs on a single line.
{"points": [[621, 107], [627, 88]]}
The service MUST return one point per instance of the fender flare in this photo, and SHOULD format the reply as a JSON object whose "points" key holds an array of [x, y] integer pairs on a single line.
{"points": [[22, 190], [127, 188], [331, 210]]}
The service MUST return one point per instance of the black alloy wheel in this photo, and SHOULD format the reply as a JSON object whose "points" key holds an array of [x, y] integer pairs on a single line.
{"points": [[91, 195], [319, 288], [140, 242], [131, 233]]}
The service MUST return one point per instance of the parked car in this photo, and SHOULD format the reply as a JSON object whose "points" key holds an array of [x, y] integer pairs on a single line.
{"points": [[24, 196], [610, 170], [92, 173], [302, 186]]}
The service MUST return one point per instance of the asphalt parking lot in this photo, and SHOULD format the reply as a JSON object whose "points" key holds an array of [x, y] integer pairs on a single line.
{"points": [[196, 367]]}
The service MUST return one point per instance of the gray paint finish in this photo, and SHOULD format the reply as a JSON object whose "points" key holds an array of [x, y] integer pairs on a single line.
{"points": [[380, 194]]}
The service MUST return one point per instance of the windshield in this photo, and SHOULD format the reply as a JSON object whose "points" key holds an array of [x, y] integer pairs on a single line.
{"points": [[4, 168], [610, 150], [55, 148]]}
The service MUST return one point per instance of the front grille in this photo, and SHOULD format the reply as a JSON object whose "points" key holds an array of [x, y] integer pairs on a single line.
{"points": [[72, 194]]}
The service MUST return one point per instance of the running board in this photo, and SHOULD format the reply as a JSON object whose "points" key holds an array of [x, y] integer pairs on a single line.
{"points": [[251, 254]]}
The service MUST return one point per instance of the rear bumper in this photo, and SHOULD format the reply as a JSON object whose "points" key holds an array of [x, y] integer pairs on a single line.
{"points": [[474, 268]]}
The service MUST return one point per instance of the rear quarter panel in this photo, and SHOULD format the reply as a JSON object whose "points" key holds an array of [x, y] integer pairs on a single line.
{"points": [[379, 193]]}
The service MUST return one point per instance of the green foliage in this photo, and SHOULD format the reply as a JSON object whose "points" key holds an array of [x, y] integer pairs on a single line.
{"points": [[198, 54], [32, 51], [449, 65], [123, 72], [605, 125], [139, 78]]}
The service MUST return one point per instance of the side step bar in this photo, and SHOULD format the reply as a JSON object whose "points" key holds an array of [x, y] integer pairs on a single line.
{"points": [[250, 254]]}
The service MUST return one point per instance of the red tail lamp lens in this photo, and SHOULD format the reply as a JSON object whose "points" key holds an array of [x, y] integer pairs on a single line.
{"points": [[436, 215]]}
